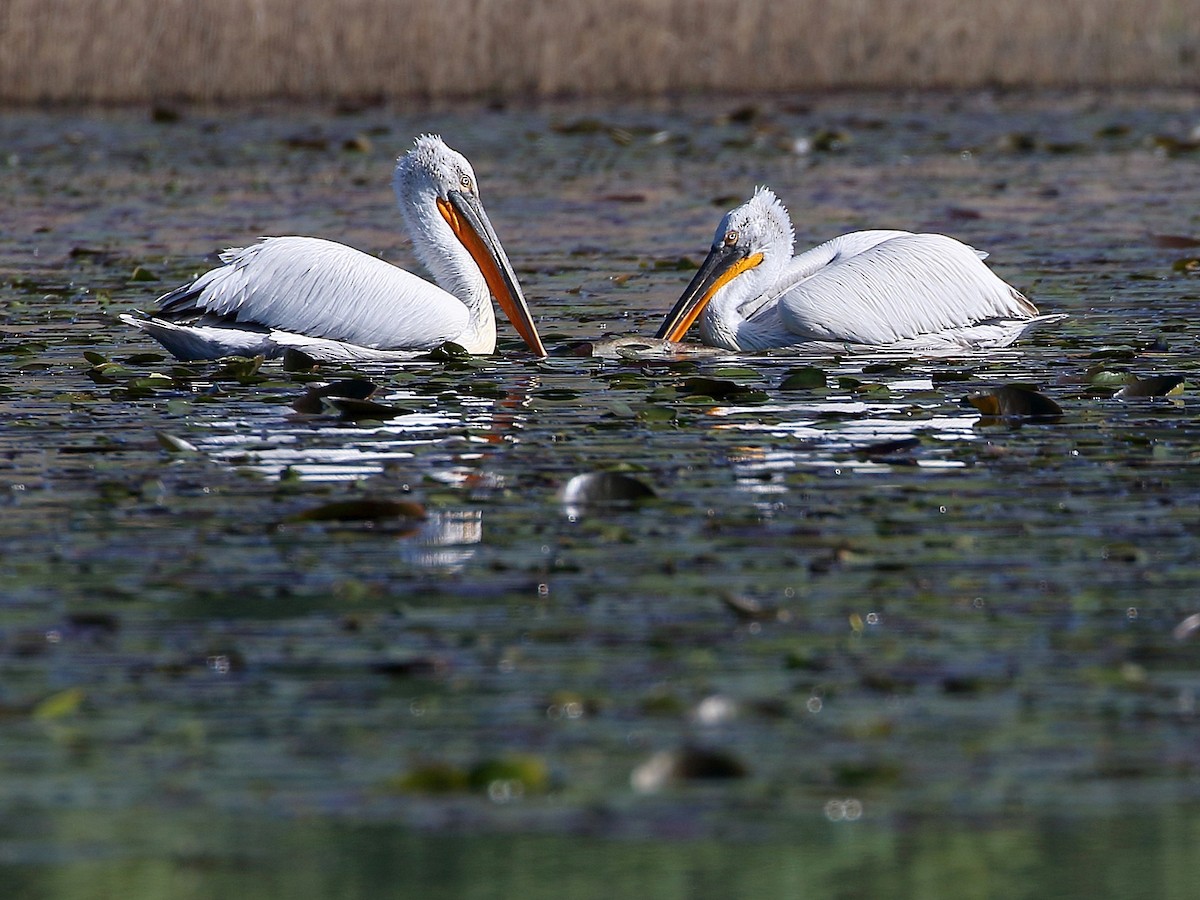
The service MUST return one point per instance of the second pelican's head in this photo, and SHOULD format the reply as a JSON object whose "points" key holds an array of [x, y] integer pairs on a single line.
{"points": [[752, 245], [436, 187]]}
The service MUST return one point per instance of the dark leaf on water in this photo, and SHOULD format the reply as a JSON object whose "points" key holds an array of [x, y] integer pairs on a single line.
{"points": [[1011, 400], [578, 126], [413, 666], [313, 401], [96, 359], [890, 367], [363, 510], [1188, 264], [803, 379], [1174, 241], [676, 264], [604, 488], [141, 273], [1151, 386], [686, 764], [142, 359], [751, 609], [449, 351], [945, 375], [717, 388], [237, 368], [888, 448], [297, 360], [354, 409]]}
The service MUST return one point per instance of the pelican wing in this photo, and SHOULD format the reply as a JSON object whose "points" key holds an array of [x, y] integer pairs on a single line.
{"points": [[882, 287], [323, 289]]}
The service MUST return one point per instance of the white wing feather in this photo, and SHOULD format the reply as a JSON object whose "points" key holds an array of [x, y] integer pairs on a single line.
{"points": [[883, 287], [324, 289]]}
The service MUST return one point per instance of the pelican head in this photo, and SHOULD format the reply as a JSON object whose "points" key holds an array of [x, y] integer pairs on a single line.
{"points": [[437, 189], [752, 244]]}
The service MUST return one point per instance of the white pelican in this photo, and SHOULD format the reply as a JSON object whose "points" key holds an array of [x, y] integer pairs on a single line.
{"points": [[880, 288], [338, 304]]}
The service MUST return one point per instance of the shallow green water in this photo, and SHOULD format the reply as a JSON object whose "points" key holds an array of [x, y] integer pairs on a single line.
{"points": [[947, 667]]}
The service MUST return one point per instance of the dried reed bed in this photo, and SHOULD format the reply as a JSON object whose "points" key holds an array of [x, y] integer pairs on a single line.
{"points": [[115, 51]]}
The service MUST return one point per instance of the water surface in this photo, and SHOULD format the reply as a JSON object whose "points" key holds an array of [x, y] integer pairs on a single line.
{"points": [[862, 641]]}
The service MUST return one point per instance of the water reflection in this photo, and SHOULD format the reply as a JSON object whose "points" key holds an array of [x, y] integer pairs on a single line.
{"points": [[446, 540], [834, 850]]}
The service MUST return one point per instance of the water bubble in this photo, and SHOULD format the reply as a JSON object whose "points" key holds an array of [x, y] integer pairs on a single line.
{"points": [[219, 664], [873, 618], [814, 705], [1131, 613]]}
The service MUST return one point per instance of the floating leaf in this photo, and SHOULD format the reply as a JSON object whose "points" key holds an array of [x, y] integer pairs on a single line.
{"points": [[686, 763], [593, 488], [96, 359], [141, 273], [888, 448], [1188, 264], [355, 409], [524, 772], [433, 778], [412, 667], [803, 379], [751, 609], [947, 375], [1101, 376], [1151, 386], [56, 706], [361, 510], [237, 368], [314, 395], [449, 351], [717, 388], [1174, 241], [1011, 400], [678, 264], [173, 444]]}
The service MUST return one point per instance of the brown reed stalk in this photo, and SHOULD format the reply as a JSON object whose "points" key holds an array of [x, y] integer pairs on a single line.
{"points": [[124, 51]]}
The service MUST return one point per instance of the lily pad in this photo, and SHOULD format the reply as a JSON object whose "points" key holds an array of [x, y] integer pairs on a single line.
{"points": [[1151, 386], [803, 379], [599, 488], [313, 401], [716, 388], [1014, 401], [361, 510]]}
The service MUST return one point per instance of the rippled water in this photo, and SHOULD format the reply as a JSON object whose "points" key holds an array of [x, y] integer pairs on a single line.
{"points": [[862, 641]]}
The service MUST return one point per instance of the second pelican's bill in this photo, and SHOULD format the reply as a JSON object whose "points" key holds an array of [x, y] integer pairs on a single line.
{"points": [[881, 288]]}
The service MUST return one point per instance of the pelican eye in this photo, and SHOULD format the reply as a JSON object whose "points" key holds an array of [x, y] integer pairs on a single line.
{"points": [[465, 180], [731, 238]]}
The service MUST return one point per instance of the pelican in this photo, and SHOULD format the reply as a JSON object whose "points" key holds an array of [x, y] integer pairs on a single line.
{"points": [[880, 288], [337, 304]]}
